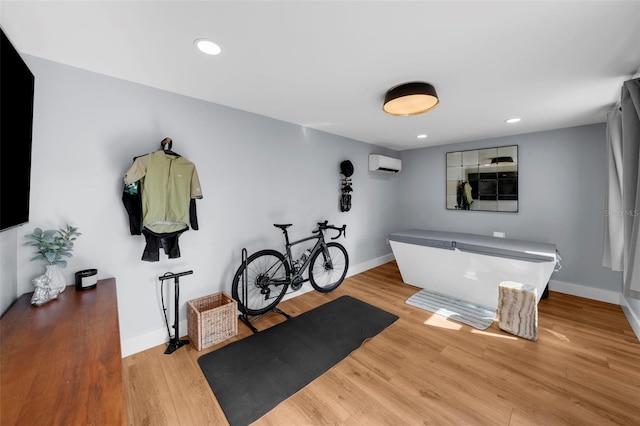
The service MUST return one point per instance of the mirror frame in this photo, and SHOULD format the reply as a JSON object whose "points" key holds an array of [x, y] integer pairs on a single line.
{"points": [[488, 177]]}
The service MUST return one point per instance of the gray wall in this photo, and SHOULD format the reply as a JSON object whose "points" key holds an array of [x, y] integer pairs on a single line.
{"points": [[562, 177], [255, 171], [8, 269]]}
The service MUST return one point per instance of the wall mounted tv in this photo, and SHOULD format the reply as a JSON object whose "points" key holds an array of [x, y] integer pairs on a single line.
{"points": [[16, 117]]}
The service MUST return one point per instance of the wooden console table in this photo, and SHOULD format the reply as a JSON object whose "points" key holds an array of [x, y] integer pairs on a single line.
{"points": [[60, 363]]}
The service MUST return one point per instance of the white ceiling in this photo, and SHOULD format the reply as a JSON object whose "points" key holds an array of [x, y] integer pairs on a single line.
{"points": [[327, 64]]}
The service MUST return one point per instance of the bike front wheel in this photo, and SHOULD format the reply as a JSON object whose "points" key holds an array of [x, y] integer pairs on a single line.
{"points": [[328, 268], [267, 280]]}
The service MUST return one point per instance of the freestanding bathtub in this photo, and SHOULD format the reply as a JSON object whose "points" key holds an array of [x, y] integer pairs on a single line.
{"points": [[471, 267]]}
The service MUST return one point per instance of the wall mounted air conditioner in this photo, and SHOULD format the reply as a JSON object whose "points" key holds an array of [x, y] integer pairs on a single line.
{"points": [[382, 163]]}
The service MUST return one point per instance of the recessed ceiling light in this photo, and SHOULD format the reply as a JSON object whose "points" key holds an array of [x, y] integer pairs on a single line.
{"points": [[512, 120], [207, 46], [423, 136]]}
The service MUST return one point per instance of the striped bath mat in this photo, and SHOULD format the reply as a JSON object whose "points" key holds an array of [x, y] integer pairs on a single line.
{"points": [[476, 316]]}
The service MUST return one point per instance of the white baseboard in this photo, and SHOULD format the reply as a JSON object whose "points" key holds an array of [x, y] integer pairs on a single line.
{"points": [[373, 263], [631, 315], [593, 293], [157, 337]]}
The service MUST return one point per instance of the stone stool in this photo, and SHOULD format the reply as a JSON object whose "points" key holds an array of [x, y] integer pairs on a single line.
{"points": [[518, 310]]}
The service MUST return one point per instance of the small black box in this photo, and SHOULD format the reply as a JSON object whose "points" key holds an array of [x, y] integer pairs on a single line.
{"points": [[86, 279]]}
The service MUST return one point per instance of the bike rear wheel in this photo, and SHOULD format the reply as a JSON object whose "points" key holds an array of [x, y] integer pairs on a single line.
{"points": [[267, 274], [327, 270]]}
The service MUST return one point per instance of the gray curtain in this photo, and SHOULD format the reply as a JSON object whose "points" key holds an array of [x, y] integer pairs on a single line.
{"points": [[630, 114], [613, 252]]}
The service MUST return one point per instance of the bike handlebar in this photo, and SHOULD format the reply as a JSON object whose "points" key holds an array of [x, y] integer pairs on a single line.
{"points": [[341, 231], [324, 225]]}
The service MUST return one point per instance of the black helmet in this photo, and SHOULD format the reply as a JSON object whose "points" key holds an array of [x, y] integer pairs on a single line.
{"points": [[346, 168]]}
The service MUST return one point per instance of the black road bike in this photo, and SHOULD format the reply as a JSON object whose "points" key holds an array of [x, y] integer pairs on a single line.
{"points": [[261, 282]]}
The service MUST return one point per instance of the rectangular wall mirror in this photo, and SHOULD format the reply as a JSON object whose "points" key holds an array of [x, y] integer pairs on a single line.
{"points": [[483, 179]]}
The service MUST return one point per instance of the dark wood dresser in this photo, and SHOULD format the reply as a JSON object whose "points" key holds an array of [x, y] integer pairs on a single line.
{"points": [[61, 362]]}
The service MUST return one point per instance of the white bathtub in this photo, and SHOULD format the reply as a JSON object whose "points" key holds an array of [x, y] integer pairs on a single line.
{"points": [[469, 266]]}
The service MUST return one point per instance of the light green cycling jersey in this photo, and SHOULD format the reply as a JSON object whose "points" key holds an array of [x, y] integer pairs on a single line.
{"points": [[168, 183]]}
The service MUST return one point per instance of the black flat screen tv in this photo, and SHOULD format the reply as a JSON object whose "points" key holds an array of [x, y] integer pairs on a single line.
{"points": [[16, 120]]}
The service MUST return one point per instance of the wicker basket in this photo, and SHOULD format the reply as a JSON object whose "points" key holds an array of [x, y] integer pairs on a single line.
{"points": [[212, 319]]}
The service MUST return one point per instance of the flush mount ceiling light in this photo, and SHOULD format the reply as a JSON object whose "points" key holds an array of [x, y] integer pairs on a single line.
{"points": [[410, 99], [422, 136], [207, 46], [512, 120]]}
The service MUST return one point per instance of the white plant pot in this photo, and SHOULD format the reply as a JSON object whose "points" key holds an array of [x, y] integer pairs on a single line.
{"points": [[48, 286], [54, 273]]}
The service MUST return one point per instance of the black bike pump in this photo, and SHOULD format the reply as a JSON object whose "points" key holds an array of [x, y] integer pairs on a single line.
{"points": [[174, 342]]}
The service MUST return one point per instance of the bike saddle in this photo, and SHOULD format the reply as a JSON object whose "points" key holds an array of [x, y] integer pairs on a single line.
{"points": [[283, 227]]}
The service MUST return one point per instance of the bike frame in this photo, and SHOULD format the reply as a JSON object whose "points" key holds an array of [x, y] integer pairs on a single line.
{"points": [[319, 245]]}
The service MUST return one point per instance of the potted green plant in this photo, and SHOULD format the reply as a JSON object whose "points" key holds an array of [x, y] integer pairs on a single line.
{"points": [[54, 246]]}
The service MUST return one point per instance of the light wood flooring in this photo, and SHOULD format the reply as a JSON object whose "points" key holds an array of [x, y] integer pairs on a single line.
{"points": [[426, 370]]}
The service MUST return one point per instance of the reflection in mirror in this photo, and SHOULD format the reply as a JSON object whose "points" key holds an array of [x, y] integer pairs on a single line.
{"points": [[483, 179]]}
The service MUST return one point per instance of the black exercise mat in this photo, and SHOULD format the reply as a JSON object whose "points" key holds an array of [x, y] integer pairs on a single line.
{"points": [[251, 376]]}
